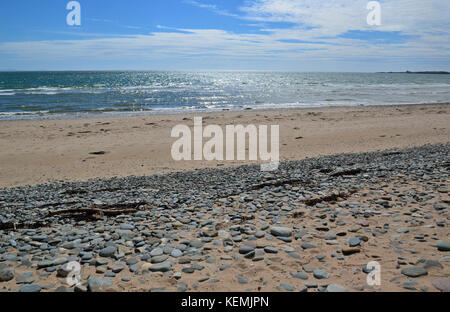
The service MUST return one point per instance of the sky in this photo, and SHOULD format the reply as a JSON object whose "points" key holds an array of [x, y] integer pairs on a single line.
{"points": [[280, 35]]}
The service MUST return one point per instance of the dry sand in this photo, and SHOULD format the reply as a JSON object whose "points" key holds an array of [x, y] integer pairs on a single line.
{"points": [[40, 151]]}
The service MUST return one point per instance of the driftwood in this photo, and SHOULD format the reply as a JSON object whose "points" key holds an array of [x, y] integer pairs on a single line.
{"points": [[97, 212], [10, 226], [348, 172], [276, 183], [90, 212], [79, 214], [328, 198], [56, 204]]}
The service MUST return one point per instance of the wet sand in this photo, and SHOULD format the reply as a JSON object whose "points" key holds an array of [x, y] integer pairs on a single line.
{"points": [[41, 151]]}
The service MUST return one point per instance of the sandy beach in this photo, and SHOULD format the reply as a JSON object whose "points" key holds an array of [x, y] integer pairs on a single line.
{"points": [[224, 151], [312, 226], [42, 151], [355, 185]]}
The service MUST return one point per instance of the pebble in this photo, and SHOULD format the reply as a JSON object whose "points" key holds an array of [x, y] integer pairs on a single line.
{"points": [[320, 274], [30, 288], [336, 288], [281, 231], [442, 284], [99, 284], [311, 285], [156, 252], [108, 252], [354, 241], [176, 253], [6, 274], [300, 275], [246, 249], [161, 267], [241, 279], [350, 251], [287, 287], [443, 246], [271, 250], [414, 271], [25, 278]]}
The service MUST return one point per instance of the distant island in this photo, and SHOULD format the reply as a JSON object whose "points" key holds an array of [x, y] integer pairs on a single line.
{"points": [[421, 72]]}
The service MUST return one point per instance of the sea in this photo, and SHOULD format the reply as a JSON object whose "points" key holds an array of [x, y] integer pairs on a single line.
{"points": [[30, 95]]}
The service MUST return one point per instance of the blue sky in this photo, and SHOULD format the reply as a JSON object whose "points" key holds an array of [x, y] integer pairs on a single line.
{"points": [[300, 35]]}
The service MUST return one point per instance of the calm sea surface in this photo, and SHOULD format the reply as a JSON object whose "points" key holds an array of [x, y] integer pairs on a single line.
{"points": [[77, 94]]}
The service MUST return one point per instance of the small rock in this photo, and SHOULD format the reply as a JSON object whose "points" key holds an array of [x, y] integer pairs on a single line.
{"points": [[320, 274], [99, 284], [443, 246], [336, 288], [414, 271], [300, 275], [354, 241], [442, 284], [161, 267], [176, 253], [287, 287], [241, 279], [30, 288], [108, 252], [246, 249], [350, 251], [270, 250], [6, 274], [281, 231]]}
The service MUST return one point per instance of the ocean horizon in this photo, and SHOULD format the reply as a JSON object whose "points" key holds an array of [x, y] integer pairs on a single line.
{"points": [[69, 94]]}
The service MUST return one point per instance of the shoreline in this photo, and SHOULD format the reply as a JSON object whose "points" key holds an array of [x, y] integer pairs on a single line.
{"points": [[41, 151], [151, 112]]}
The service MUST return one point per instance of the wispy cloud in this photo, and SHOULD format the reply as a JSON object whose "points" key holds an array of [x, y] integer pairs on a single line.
{"points": [[319, 32], [100, 20], [211, 7]]}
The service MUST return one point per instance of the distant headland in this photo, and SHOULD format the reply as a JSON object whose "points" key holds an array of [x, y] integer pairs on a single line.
{"points": [[421, 72]]}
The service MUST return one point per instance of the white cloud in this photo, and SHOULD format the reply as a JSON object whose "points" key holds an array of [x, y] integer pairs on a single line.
{"points": [[212, 7], [311, 20]]}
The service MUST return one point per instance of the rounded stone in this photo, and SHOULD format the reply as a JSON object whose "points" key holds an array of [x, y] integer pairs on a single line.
{"points": [[354, 241], [157, 252], [270, 250], [99, 284], [246, 249], [442, 284], [443, 246], [30, 288], [414, 271], [300, 275], [320, 274], [260, 234], [336, 288], [161, 267], [281, 231], [176, 253], [108, 251], [6, 274]]}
